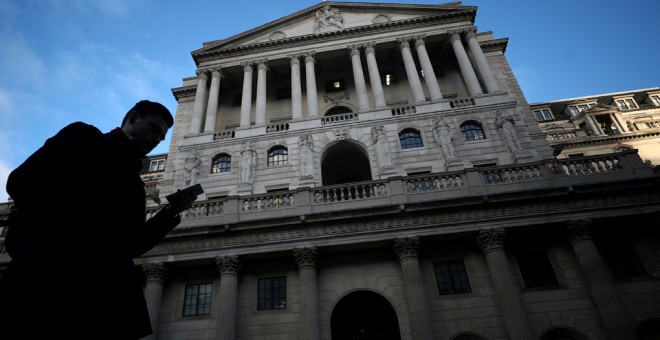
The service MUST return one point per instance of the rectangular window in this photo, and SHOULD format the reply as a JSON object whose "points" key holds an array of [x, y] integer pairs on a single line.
{"points": [[271, 293], [536, 269], [576, 109], [451, 277], [197, 300], [157, 165], [622, 259], [626, 104], [655, 99], [543, 114], [335, 86]]}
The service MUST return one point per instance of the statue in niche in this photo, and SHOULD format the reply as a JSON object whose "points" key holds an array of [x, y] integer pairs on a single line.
{"points": [[247, 164], [382, 146], [508, 130], [444, 138], [306, 156], [327, 17], [191, 166]]}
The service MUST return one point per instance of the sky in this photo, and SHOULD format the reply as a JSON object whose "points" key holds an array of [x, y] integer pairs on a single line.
{"points": [[90, 60]]}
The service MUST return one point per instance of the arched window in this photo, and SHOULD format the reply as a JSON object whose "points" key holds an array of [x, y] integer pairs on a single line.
{"points": [[472, 131], [338, 110], [221, 163], [277, 155], [410, 138]]}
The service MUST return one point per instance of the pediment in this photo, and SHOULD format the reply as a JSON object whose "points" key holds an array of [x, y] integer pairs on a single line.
{"points": [[599, 108], [335, 17]]}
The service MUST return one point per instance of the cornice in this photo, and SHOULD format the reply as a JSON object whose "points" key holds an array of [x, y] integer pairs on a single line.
{"points": [[449, 221], [185, 91], [494, 45], [200, 56]]}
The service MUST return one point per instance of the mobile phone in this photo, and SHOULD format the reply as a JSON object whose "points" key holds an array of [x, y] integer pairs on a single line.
{"points": [[183, 199]]}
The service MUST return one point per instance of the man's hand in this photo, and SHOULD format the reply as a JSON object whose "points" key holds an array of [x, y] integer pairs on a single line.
{"points": [[183, 199]]}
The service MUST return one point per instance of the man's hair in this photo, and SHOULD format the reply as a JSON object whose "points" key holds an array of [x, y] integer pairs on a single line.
{"points": [[147, 108]]}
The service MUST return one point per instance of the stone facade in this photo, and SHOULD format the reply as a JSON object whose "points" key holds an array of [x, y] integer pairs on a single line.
{"points": [[374, 171]]}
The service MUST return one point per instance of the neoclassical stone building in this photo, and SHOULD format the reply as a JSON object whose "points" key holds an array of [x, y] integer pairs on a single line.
{"points": [[373, 171]]}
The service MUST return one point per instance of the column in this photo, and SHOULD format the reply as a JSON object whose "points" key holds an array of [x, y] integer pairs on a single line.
{"points": [[617, 123], [153, 293], [464, 62], [198, 107], [617, 321], [429, 74], [228, 266], [374, 75], [358, 76], [411, 71], [246, 99], [296, 92], [212, 107], [407, 249], [307, 259], [595, 127], [480, 59], [491, 242], [310, 78], [262, 66]]}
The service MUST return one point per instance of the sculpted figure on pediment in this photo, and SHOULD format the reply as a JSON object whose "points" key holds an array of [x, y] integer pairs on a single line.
{"points": [[328, 17]]}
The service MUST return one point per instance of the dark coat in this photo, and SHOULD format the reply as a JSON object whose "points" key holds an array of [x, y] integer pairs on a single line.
{"points": [[79, 223]]}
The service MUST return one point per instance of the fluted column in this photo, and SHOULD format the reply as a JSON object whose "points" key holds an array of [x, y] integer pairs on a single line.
{"points": [[212, 107], [480, 59], [307, 259], [411, 71], [464, 62], [198, 106], [491, 242], [407, 249], [153, 294], [296, 92], [358, 76], [228, 266], [617, 321], [374, 75], [262, 66], [246, 99], [429, 74], [310, 78]]}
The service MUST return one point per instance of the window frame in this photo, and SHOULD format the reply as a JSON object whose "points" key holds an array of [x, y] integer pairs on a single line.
{"points": [[626, 103], [275, 159], [206, 304], [407, 144], [541, 115], [272, 298], [467, 286], [159, 164], [469, 134], [216, 160], [655, 99]]}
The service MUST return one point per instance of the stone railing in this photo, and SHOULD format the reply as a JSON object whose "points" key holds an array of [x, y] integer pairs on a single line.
{"points": [[398, 191], [224, 135], [462, 102], [277, 127], [343, 118], [403, 110]]}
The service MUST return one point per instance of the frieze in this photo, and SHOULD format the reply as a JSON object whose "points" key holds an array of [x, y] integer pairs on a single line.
{"points": [[438, 220]]}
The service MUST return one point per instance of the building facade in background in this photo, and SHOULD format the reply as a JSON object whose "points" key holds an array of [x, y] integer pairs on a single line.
{"points": [[374, 171]]}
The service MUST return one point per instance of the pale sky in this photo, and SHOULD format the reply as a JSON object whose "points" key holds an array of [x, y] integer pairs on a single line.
{"points": [[90, 60]]}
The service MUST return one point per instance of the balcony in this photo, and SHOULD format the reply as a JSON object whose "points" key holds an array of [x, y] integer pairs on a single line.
{"points": [[471, 185]]}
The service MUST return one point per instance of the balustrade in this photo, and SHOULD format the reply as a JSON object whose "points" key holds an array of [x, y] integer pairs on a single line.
{"points": [[403, 110], [348, 117]]}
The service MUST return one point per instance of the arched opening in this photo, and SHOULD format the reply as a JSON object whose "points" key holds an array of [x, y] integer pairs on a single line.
{"points": [[345, 162], [562, 333], [364, 315], [338, 110], [649, 329]]}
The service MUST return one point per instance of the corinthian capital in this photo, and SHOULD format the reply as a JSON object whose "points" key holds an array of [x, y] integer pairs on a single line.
{"points": [[406, 247], [403, 42], [306, 257], [228, 264], [470, 33], [154, 271], [309, 57], [579, 230], [454, 35], [491, 239], [202, 73], [370, 47], [354, 50]]}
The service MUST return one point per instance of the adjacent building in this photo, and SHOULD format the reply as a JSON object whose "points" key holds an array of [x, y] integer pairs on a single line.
{"points": [[374, 171]]}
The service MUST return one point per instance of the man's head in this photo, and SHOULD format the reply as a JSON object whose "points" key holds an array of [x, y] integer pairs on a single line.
{"points": [[147, 123]]}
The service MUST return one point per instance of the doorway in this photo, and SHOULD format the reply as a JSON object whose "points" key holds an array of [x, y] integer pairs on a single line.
{"points": [[364, 315]]}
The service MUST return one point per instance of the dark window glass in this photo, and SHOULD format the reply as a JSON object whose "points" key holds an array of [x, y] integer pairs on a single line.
{"points": [[410, 139], [472, 131], [451, 277], [277, 155], [221, 163], [197, 300], [536, 269], [271, 293], [622, 259]]}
